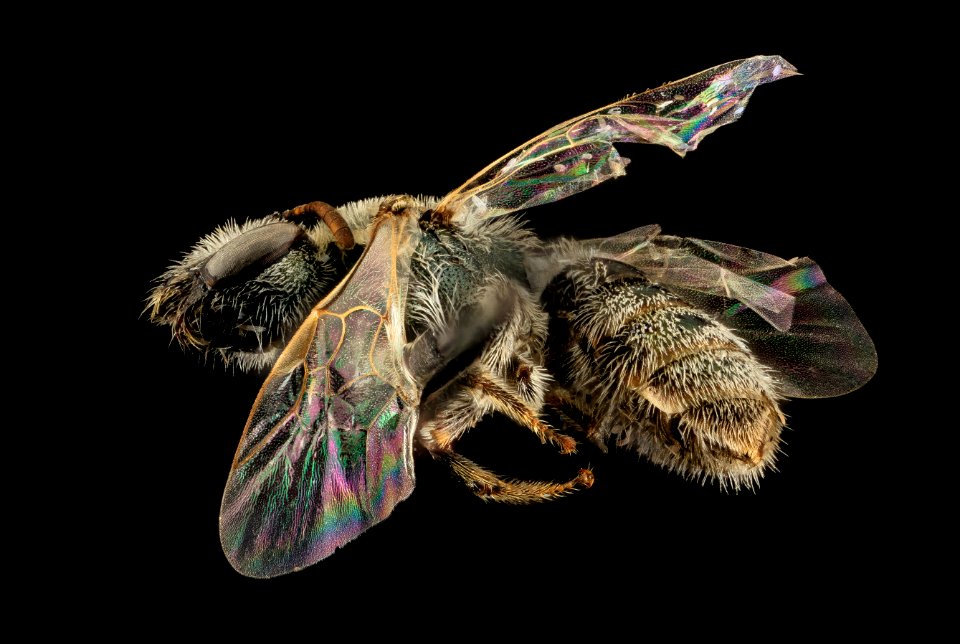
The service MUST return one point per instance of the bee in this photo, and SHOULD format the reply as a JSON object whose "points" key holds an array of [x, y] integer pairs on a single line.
{"points": [[399, 322]]}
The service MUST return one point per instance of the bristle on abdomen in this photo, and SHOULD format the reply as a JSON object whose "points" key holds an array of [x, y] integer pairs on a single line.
{"points": [[661, 376]]}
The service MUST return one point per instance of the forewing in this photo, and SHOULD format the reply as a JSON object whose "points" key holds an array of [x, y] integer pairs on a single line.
{"points": [[793, 320], [327, 450], [579, 154]]}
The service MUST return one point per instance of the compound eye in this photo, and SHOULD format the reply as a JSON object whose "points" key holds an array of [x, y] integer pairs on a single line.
{"points": [[251, 252]]}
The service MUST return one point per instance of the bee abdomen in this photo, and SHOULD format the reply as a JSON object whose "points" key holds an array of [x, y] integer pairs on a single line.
{"points": [[666, 378], [721, 409]]}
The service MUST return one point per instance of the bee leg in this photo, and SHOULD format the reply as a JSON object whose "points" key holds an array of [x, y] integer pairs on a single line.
{"points": [[490, 487], [457, 408], [506, 402], [565, 405]]}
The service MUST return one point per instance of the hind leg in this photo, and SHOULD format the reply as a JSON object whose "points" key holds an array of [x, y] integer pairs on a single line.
{"points": [[457, 408]]}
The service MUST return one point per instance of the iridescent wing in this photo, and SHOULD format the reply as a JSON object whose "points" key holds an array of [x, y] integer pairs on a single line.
{"points": [[579, 154], [328, 447], [793, 320]]}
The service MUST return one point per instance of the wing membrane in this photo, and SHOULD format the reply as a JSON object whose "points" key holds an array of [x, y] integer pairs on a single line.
{"points": [[327, 450], [792, 318], [579, 154]]}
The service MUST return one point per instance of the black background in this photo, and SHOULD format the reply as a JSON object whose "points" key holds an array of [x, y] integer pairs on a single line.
{"points": [[220, 122]]}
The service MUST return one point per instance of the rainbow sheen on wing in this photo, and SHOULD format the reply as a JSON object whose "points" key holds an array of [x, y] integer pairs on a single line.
{"points": [[579, 154], [328, 448], [793, 320]]}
